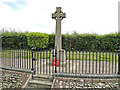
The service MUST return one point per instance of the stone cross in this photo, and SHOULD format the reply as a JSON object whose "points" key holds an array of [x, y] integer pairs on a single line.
{"points": [[58, 16]]}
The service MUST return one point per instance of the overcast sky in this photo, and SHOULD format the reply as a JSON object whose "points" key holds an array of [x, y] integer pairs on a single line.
{"points": [[82, 16]]}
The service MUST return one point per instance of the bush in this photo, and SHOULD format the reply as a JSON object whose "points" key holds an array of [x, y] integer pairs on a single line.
{"points": [[51, 42], [38, 40], [14, 40]]}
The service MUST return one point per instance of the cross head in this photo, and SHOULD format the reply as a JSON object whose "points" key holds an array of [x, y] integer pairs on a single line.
{"points": [[58, 15]]}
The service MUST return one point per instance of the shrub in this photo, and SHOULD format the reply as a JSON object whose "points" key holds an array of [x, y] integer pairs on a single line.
{"points": [[38, 40]]}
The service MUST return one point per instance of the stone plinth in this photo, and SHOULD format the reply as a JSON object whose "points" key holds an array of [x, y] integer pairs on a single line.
{"points": [[61, 56]]}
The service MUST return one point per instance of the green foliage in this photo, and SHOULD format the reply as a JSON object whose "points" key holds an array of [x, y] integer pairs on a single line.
{"points": [[91, 42], [66, 42], [14, 40], [75, 41], [38, 40], [51, 41]]}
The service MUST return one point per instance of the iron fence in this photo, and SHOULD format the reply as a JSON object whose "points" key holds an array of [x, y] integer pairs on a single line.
{"points": [[60, 61], [84, 62]]}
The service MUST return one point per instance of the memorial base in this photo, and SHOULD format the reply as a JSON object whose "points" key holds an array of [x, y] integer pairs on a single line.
{"points": [[61, 56], [62, 64]]}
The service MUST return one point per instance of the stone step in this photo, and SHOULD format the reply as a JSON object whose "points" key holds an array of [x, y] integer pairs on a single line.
{"points": [[40, 82], [37, 87], [43, 77]]}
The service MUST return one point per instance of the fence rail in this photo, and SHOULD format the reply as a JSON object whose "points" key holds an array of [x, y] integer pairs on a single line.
{"points": [[76, 62], [17, 70]]}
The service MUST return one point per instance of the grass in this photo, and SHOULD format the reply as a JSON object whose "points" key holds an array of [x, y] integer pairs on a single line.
{"points": [[92, 56]]}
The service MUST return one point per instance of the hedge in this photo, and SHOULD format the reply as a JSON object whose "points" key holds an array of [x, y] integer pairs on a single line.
{"points": [[91, 42], [38, 40], [14, 40], [75, 41], [51, 41]]}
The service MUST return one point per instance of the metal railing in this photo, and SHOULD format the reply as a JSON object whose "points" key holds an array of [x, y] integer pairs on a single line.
{"points": [[17, 69], [89, 63], [75, 62]]}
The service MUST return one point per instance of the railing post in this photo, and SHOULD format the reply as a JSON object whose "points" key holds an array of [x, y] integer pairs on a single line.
{"points": [[32, 57], [119, 60], [32, 60], [55, 59]]}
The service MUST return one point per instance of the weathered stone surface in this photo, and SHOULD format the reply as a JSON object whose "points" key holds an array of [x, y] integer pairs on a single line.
{"points": [[41, 81], [58, 16], [61, 56]]}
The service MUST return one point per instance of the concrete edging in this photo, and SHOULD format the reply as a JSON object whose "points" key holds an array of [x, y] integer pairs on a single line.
{"points": [[53, 83], [26, 84]]}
